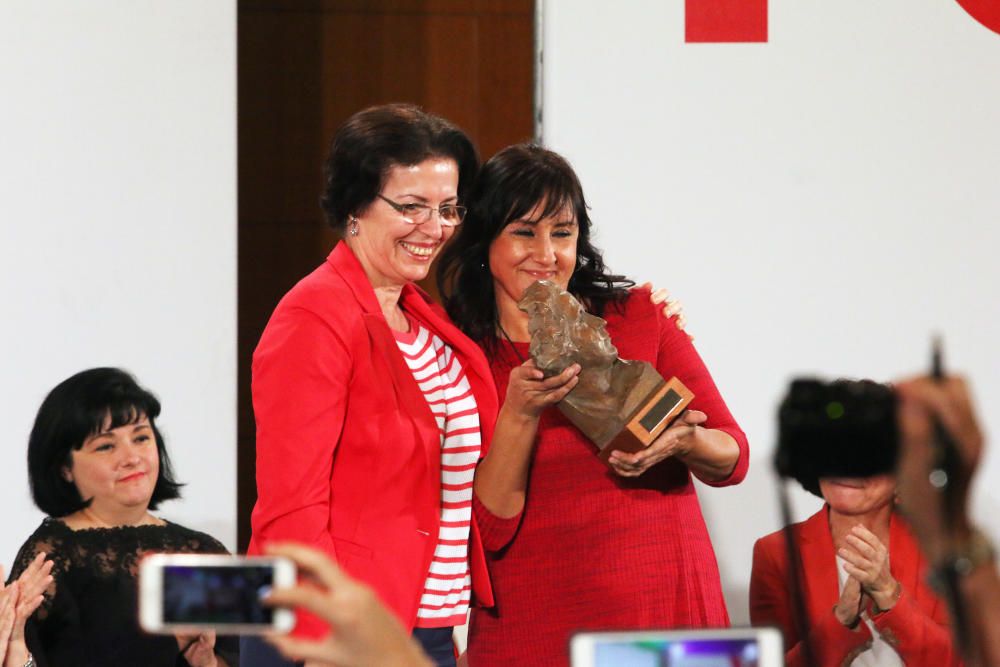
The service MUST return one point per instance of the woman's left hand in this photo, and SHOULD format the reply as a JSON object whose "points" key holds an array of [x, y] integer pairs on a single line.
{"points": [[200, 649], [868, 562], [672, 308], [675, 441]]}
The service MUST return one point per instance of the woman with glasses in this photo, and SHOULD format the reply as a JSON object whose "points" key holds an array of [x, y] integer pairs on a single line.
{"points": [[572, 544], [372, 408]]}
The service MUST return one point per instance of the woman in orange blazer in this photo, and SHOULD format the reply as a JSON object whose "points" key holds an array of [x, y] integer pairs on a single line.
{"points": [[871, 609]]}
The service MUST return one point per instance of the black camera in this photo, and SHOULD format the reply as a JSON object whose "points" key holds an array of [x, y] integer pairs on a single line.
{"points": [[844, 428]]}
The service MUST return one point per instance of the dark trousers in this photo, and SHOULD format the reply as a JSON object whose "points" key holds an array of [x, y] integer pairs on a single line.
{"points": [[438, 644], [255, 652]]}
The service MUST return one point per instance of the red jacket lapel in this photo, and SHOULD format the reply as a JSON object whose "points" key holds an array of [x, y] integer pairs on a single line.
{"points": [[408, 393], [819, 560]]}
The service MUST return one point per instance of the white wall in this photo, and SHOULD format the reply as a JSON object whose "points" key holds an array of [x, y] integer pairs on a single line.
{"points": [[118, 229], [821, 203]]}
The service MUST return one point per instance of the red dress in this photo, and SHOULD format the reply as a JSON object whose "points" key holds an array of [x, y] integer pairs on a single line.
{"points": [[592, 550]]}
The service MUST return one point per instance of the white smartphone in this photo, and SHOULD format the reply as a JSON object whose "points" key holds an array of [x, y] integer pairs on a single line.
{"points": [[191, 593], [745, 647]]}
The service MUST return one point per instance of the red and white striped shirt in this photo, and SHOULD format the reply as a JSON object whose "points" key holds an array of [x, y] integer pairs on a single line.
{"points": [[441, 378]]}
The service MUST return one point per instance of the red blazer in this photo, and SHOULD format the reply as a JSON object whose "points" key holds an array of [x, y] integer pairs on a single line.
{"points": [[348, 453], [916, 626]]}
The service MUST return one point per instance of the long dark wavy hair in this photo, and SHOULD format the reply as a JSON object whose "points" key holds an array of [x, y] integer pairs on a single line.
{"points": [[508, 187]]}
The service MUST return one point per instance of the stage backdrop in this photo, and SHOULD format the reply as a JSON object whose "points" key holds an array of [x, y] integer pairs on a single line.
{"points": [[822, 194], [118, 229]]}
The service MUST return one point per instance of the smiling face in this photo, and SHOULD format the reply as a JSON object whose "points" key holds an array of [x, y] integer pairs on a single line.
{"points": [[532, 248], [117, 468], [853, 496], [392, 251]]}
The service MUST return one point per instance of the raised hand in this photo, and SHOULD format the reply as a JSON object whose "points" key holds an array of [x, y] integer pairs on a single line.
{"points": [[25, 597], [867, 560], [8, 601], [937, 524], [848, 607]]}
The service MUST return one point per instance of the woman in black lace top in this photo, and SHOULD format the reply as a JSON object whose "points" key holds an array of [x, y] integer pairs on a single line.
{"points": [[97, 465]]}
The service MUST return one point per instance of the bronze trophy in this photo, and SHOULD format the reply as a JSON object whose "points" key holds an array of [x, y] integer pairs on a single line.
{"points": [[619, 404]]}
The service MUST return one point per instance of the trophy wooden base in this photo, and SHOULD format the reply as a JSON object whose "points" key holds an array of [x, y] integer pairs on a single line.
{"points": [[649, 405], [656, 413]]}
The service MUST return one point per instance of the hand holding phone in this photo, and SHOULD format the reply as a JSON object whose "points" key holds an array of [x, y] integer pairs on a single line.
{"points": [[193, 594], [363, 630]]}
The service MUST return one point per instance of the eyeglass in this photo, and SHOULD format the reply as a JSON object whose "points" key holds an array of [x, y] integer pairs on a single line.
{"points": [[450, 215]]}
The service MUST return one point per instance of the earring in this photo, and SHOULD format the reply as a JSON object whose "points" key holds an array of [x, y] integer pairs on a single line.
{"points": [[353, 227]]}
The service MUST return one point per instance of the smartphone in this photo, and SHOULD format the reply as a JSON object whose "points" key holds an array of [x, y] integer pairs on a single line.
{"points": [[191, 593], [743, 647]]}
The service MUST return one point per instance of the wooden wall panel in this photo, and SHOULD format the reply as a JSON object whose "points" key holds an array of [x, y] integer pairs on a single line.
{"points": [[304, 67]]}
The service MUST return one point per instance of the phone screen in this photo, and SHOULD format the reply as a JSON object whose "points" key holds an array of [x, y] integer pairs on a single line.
{"points": [[677, 653], [730, 647], [208, 594]]}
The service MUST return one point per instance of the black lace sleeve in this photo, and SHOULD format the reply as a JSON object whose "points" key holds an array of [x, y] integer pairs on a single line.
{"points": [[184, 540]]}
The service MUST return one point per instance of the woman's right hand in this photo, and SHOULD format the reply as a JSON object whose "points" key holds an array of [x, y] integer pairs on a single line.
{"points": [[529, 392], [868, 561], [848, 607]]}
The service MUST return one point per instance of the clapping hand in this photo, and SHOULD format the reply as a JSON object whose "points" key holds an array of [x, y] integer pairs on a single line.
{"points": [[848, 607], [8, 600], [867, 561], [17, 603]]}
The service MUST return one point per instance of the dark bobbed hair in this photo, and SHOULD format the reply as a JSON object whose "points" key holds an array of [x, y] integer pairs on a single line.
{"points": [[509, 186], [378, 138], [76, 409]]}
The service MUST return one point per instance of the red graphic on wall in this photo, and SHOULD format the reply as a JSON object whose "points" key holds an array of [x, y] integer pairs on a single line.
{"points": [[732, 20], [986, 12]]}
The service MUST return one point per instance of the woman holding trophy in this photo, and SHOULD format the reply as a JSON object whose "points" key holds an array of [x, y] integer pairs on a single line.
{"points": [[641, 554]]}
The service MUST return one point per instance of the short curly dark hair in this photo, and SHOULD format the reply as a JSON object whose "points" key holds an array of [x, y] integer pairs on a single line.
{"points": [[76, 409], [378, 138]]}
